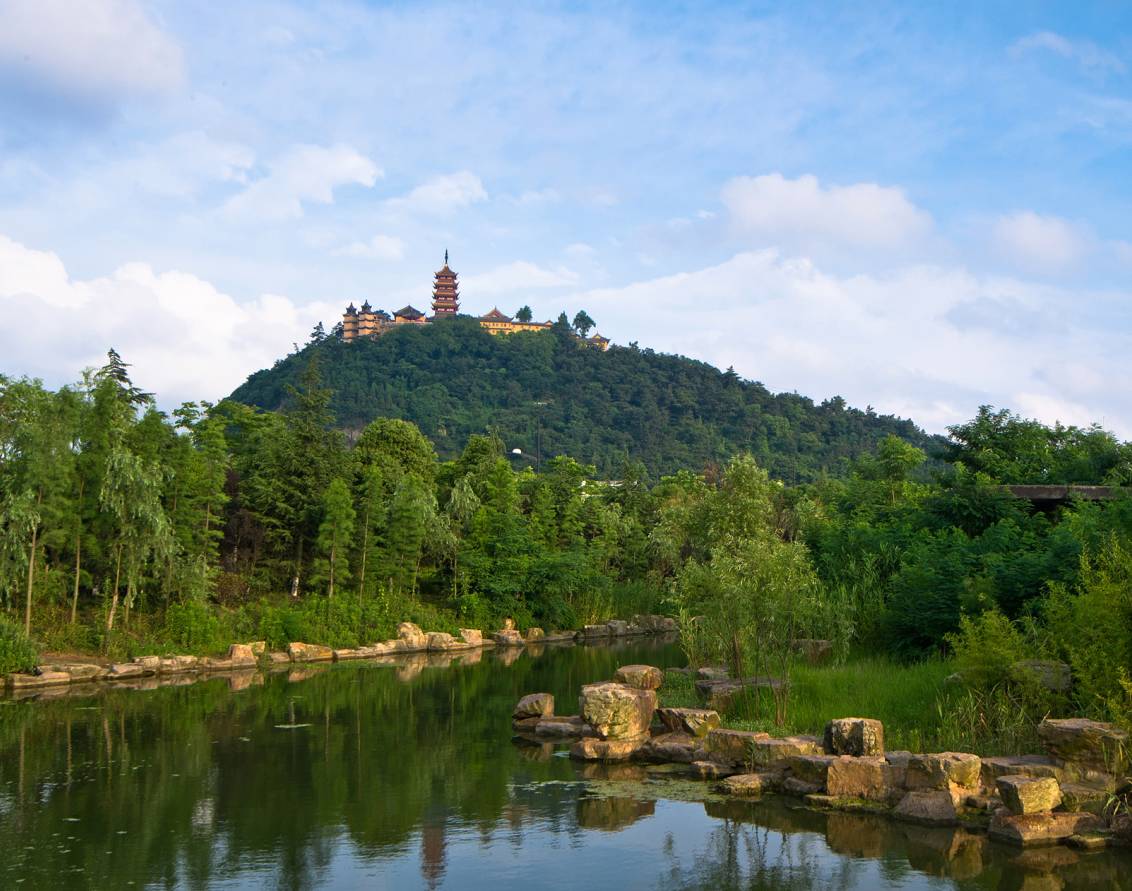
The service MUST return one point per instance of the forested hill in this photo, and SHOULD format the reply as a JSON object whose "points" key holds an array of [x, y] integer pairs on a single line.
{"points": [[453, 379]]}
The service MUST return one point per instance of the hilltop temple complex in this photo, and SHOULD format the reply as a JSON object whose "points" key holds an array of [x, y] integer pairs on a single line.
{"points": [[370, 322]]}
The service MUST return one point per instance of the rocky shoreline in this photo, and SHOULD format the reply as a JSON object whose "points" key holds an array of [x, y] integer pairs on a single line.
{"points": [[1076, 793], [249, 658]]}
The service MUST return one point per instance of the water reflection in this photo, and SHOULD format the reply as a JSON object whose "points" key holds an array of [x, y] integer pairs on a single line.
{"points": [[402, 774]]}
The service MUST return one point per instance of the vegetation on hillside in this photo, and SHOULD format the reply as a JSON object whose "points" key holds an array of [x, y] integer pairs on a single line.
{"points": [[125, 530], [548, 394]]}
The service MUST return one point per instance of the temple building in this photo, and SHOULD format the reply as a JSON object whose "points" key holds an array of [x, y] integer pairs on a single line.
{"points": [[368, 322], [445, 292], [496, 322]]}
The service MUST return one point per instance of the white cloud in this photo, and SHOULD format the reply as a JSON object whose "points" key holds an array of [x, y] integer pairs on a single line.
{"points": [[442, 194], [895, 341], [102, 49], [801, 211], [1038, 243], [380, 247], [519, 276], [186, 339], [537, 197], [304, 174], [1085, 53], [181, 165]]}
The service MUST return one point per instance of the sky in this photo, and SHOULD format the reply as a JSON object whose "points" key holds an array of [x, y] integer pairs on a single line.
{"points": [[919, 207]]}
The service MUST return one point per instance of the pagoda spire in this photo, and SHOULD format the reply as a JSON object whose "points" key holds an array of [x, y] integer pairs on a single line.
{"points": [[445, 292]]}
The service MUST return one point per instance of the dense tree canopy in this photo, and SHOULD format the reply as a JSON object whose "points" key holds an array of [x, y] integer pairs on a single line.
{"points": [[452, 380]]}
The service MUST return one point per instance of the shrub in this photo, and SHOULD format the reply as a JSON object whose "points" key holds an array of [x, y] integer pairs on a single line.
{"points": [[17, 652], [985, 647], [194, 627]]}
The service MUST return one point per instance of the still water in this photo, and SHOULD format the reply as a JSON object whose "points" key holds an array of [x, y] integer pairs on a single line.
{"points": [[403, 775]]}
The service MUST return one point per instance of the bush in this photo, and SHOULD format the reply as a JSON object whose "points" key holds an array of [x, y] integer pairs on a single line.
{"points": [[986, 647], [194, 627], [17, 652]]}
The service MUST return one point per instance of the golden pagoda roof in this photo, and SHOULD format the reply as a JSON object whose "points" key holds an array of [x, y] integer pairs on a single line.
{"points": [[496, 316]]}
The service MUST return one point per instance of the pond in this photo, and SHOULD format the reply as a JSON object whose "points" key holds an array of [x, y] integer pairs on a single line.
{"points": [[404, 775]]}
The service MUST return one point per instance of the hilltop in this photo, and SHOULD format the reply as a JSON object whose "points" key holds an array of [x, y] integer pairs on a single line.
{"points": [[453, 379]]}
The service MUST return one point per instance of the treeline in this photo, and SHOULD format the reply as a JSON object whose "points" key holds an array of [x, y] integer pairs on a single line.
{"points": [[123, 528], [550, 394]]}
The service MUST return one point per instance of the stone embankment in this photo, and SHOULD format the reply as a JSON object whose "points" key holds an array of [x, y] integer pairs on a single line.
{"points": [[1077, 793], [250, 657]]}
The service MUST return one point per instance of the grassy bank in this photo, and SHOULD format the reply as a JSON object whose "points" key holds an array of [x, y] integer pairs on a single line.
{"points": [[920, 710]]}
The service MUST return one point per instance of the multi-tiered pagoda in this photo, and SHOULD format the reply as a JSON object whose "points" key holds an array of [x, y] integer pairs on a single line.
{"points": [[445, 293]]}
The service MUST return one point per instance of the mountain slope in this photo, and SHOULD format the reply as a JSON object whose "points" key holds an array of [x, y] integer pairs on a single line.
{"points": [[453, 379]]}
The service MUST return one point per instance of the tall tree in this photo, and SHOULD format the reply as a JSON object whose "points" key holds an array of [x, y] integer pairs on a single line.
{"points": [[334, 535], [583, 323]]}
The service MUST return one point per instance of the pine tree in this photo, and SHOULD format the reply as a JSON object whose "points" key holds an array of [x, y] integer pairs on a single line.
{"points": [[335, 534]]}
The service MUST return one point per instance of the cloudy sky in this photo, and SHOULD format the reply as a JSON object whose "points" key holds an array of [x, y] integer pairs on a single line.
{"points": [[918, 210]]}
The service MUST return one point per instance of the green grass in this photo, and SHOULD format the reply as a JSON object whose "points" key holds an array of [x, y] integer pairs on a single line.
{"points": [[920, 712]]}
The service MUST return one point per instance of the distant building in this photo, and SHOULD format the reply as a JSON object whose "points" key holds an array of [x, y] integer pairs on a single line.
{"points": [[368, 322]]}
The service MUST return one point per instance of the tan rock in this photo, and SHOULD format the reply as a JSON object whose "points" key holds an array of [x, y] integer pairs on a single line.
{"points": [[535, 634], [733, 746], [774, 753], [867, 777], [696, 721], [1018, 765], [345, 655], [1093, 798], [258, 647], [617, 711], [1029, 795], [242, 654], [508, 637], [1041, 829], [563, 727], [304, 652], [179, 664], [1089, 744], [710, 770], [534, 705], [811, 769], [643, 677], [508, 624], [934, 808], [472, 637], [19, 681], [149, 664], [618, 628], [748, 785], [119, 670], [941, 769], [854, 736], [595, 631], [527, 724], [79, 671], [440, 641], [594, 749], [278, 658], [670, 748]]}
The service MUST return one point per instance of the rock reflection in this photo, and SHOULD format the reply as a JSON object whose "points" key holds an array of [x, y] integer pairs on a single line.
{"points": [[611, 814]]}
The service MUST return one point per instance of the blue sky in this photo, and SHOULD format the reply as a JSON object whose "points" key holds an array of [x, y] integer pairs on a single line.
{"points": [[918, 208]]}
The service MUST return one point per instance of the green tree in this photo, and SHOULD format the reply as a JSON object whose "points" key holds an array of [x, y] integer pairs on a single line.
{"points": [[583, 323], [524, 314], [335, 534]]}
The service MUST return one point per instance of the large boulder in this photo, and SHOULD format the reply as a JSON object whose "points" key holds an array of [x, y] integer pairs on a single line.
{"points": [[535, 634], [868, 777], [1041, 829], [594, 631], [618, 627], [670, 748], [775, 753], [562, 727], [934, 808], [20, 681], [941, 770], [643, 677], [151, 664], [594, 749], [120, 670], [238, 654], [442, 642], [411, 634], [1029, 795], [617, 711], [534, 705], [733, 746], [304, 652], [508, 637], [696, 721], [1082, 743], [1018, 765], [749, 785], [811, 769], [854, 736], [473, 637]]}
